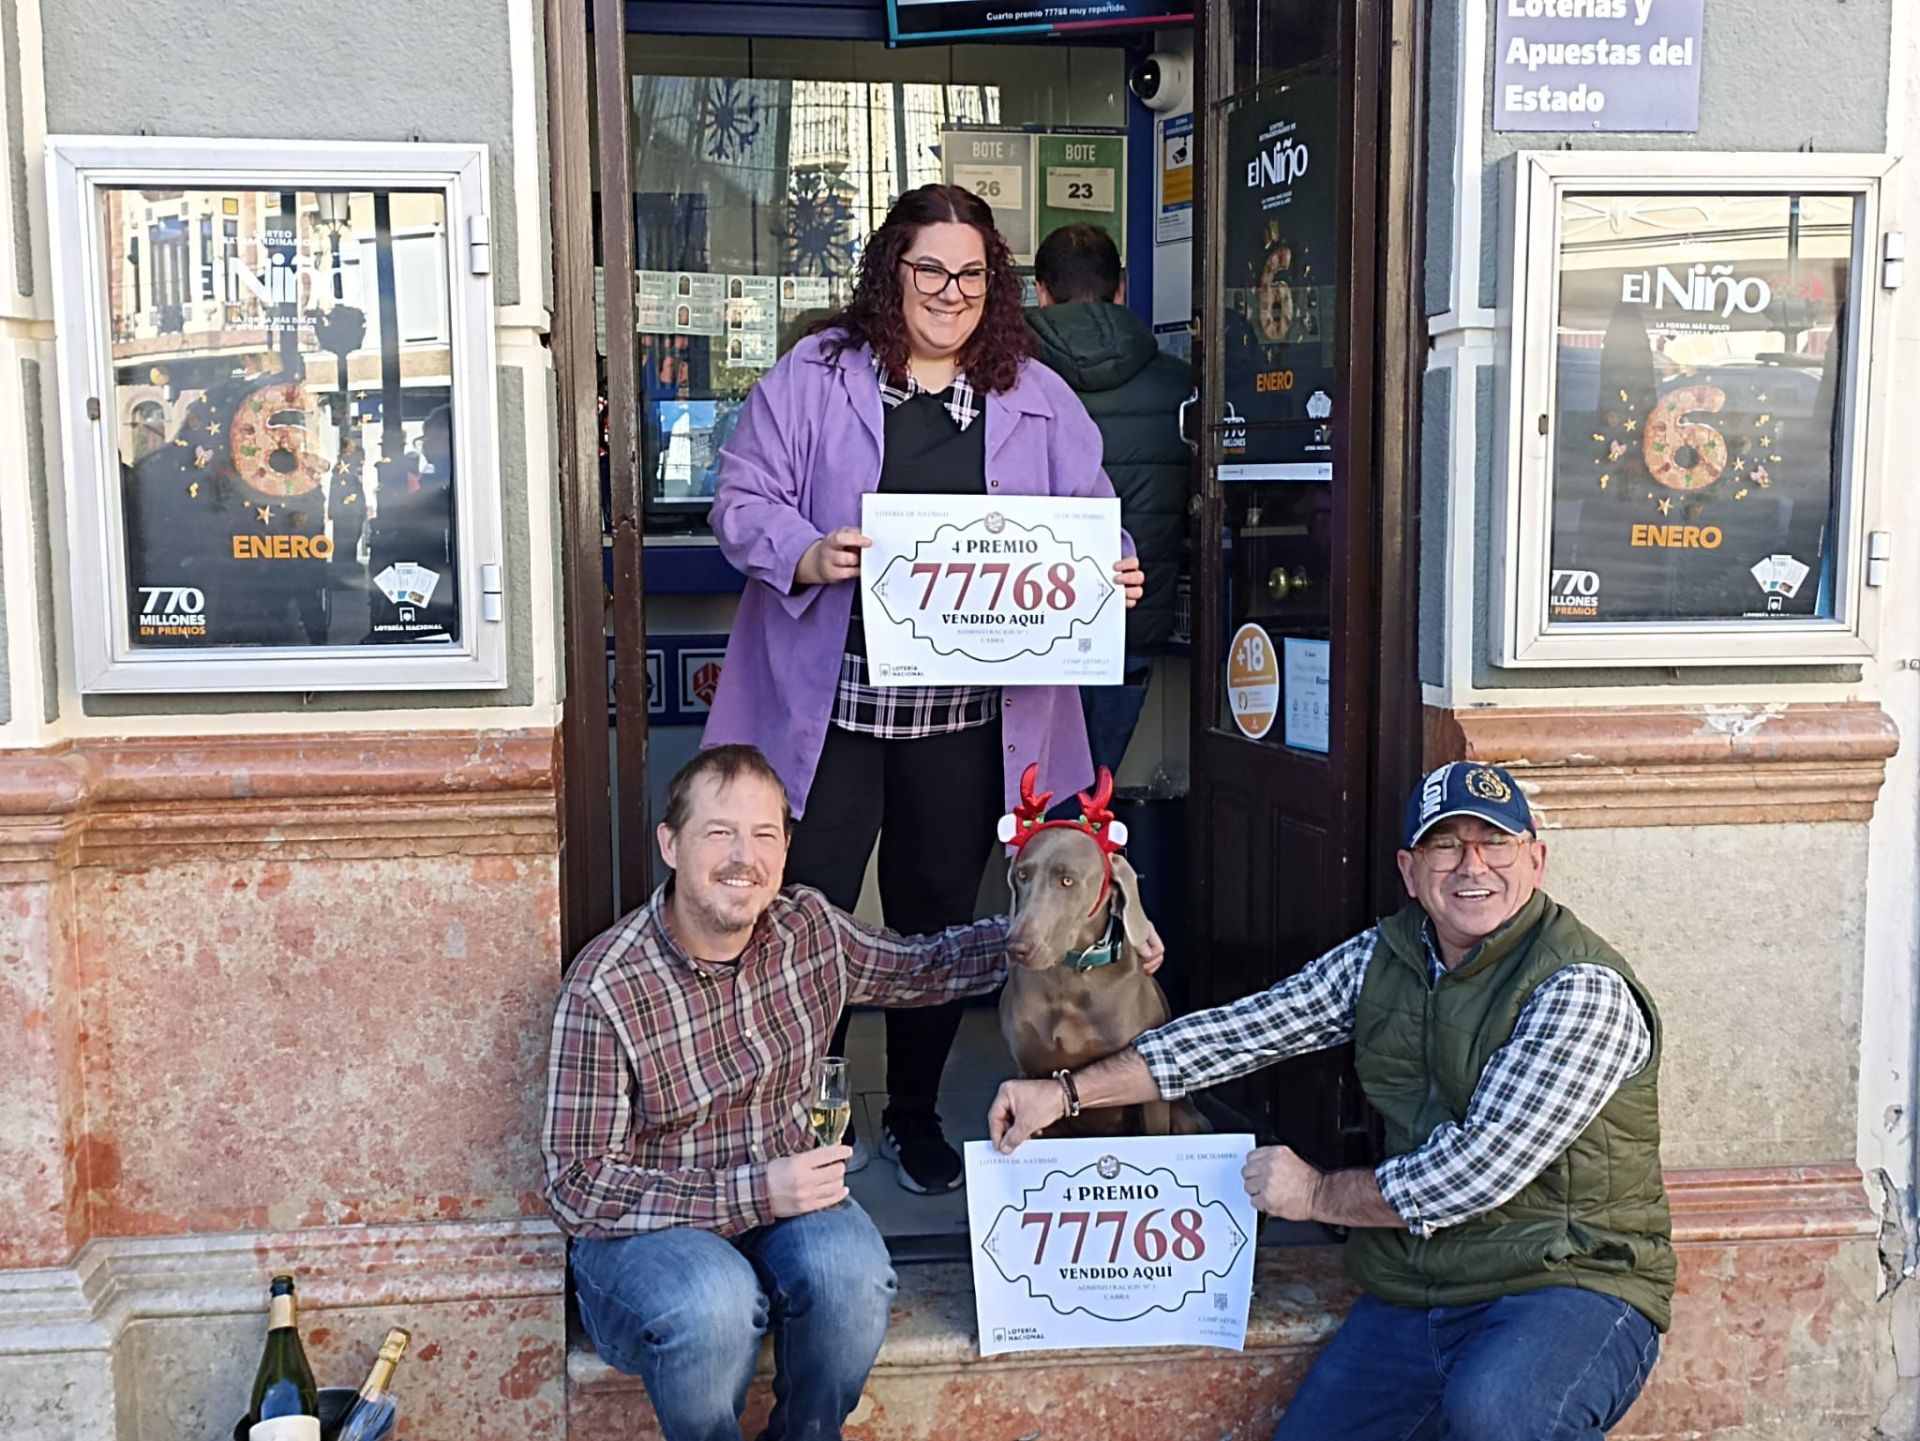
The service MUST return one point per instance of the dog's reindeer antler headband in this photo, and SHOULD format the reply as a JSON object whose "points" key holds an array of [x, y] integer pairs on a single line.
{"points": [[1028, 819]]}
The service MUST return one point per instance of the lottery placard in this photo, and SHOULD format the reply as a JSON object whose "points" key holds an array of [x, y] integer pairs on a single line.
{"points": [[1145, 1241], [995, 591]]}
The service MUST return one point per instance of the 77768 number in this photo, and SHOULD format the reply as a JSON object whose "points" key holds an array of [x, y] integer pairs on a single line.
{"points": [[1150, 1242], [1028, 592]]}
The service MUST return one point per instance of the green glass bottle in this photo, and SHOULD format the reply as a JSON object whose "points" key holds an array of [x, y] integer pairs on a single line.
{"points": [[286, 1404]]}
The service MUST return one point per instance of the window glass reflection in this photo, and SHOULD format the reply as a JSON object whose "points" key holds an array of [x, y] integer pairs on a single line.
{"points": [[760, 169], [1699, 357], [282, 397]]}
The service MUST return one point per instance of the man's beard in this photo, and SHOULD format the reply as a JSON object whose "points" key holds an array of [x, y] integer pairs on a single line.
{"points": [[710, 914]]}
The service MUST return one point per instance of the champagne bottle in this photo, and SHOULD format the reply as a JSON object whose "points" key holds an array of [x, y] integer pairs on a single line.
{"points": [[286, 1404], [372, 1414]]}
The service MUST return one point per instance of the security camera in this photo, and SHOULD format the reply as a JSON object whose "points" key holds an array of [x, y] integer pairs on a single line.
{"points": [[1161, 81]]}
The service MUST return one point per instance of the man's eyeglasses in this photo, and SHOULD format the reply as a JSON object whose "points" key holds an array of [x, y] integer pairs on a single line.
{"points": [[931, 278], [1445, 853]]}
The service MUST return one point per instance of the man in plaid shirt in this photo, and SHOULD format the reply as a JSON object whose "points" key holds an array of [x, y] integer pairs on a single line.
{"points": [[1515, 1246], [678, 1151]]}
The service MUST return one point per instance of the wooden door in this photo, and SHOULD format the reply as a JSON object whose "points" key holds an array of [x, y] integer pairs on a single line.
{"points": [[1286, 693]]}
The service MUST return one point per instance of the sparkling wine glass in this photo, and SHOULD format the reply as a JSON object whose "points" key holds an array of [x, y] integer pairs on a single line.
{"points": [[830, 1106]]}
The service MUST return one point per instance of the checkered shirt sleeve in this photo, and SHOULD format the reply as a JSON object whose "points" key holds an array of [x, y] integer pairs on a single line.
{"points": [[592, 1189], [1308, 1011], [1581, 1035], [885, 969]]}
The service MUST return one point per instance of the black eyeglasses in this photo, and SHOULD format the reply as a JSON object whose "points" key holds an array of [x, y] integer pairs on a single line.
{"points": [[931, 278]]}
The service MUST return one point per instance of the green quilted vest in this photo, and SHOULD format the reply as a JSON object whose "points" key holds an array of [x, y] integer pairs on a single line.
{"points": [[1596, 1217]]}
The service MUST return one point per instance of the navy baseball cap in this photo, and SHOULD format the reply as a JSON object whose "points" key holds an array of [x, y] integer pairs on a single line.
{"points": [[1465, 788]]}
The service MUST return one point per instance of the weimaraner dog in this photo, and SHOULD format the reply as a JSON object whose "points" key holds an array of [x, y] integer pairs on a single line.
{"points": [[1075, 991]]}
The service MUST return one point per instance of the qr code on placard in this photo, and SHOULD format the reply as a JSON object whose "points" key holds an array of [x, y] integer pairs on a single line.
{"points": [[1219, 1300]]}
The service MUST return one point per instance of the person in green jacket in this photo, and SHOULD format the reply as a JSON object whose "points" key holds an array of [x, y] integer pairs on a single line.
{"points": [[1514, 1248], [1133, 392]]}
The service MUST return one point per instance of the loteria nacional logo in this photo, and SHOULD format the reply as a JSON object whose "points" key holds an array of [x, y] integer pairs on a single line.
{"points": [[1283, 164], [1700, 290]]}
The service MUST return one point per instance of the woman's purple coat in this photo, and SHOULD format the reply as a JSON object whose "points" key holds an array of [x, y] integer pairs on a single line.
{"points": [[807, 448]]}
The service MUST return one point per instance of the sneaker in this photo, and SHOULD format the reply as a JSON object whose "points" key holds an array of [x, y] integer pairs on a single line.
{"points": [[861, 1152], [925, 1163]]}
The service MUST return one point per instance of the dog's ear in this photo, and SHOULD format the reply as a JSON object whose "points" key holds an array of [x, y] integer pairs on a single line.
{"points": [[1133, 915]]}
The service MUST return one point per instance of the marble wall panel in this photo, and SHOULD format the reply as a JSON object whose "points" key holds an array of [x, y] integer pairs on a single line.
{"points": [[1771, 1341], [1751, 939], [56, 1396], [279, 1044], [157, 1338], [40, 1223], [480, 1370], [42, 1216]]}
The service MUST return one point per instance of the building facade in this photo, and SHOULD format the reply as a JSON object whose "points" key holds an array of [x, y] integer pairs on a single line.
{"points": [[277, 957]]}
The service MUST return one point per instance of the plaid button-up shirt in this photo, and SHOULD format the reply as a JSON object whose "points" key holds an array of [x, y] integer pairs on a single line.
{"points": [[673, 1082], [1579, 1036]]}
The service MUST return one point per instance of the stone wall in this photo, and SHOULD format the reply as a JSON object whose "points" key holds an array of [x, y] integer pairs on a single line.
{"points": [[285, 1002]]}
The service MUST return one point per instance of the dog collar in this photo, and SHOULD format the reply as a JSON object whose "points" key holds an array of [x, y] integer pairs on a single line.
{"points": [[1093, 957]]}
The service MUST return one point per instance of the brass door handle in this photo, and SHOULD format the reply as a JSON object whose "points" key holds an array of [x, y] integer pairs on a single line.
{"points": [[1280, 584]]}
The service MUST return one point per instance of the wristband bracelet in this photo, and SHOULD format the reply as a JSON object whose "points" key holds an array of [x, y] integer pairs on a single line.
{"points": [[1065, 1078]]}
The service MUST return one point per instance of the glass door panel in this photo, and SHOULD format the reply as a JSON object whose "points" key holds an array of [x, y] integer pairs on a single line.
{"points": [[760, 168]]}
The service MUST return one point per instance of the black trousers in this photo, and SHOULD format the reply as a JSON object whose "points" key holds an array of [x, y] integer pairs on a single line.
{"points": [[934, 803]]}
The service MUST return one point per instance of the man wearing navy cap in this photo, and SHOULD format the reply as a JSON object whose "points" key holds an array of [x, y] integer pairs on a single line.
{"points": [[1514, 1247]]}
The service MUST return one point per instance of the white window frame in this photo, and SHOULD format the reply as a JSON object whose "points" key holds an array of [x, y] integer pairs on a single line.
{"points": [[78, 167], [1522, 632]]}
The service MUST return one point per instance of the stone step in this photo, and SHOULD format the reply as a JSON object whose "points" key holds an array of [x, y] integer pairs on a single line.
{"points": [[932, 1384]]}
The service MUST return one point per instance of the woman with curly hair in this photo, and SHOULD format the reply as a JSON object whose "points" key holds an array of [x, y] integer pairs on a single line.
{"points": [[923, 384]]}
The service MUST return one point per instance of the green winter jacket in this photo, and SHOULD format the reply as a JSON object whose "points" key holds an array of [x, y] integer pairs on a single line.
{"points": [[1133, 392]]}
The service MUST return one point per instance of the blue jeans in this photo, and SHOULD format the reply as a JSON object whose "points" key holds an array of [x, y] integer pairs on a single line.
{"points": [[1113, 711], [1549, 1365], [685, 1309]]}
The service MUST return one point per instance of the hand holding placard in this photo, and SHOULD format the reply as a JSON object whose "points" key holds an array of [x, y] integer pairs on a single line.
{"points": [[833, 557]]}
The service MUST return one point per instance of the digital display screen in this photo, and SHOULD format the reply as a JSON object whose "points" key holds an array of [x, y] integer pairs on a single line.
{"points": [[943, 20]]}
